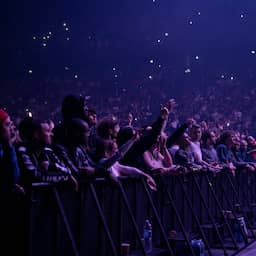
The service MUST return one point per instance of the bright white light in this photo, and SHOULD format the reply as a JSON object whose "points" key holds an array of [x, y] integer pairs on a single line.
{"points": [[30, 114], [34, 38], [159, 41], [68, 38], [197, 57], [199, 13], [159, 66], [44, 44], [30, 71], [188, 70], [231, 78], [222, 76], [67, 29], [44, 38], [76, 76], [64, 24], [115, 76], [151, 61], [190, 22], [114, 69], [241, 16], [252, 52], [50, 33], [166, 34], [47, 37], [150, 77], [66, 68]]}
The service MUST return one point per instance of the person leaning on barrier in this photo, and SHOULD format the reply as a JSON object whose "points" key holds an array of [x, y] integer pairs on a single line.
{"points": [[37, 160], [146, 140], [10, 171], [158, 159], [74, 149], [110, 157], [195, 133], [10, 230], [225, 154], [240, 153], [184, 156], [171, 142]]}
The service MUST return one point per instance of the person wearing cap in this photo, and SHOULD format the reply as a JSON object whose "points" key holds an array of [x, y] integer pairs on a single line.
{"points": [[9, 176], [9, 170]]}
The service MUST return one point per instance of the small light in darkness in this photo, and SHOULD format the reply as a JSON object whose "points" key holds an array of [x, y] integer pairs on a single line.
{"points": [[187, 71]]}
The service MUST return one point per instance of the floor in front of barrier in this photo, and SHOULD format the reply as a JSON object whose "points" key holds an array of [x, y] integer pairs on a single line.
{"points": [[249, 251]]}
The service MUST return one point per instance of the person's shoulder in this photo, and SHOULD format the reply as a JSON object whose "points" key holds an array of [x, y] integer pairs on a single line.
{"points": [[221, 146]]}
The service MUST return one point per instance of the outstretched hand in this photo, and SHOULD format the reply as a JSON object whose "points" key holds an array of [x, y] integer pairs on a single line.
{"points": [[151, 183]]}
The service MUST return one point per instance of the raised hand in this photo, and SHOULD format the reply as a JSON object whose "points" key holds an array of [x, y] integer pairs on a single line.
{"points": [[167, 108]]}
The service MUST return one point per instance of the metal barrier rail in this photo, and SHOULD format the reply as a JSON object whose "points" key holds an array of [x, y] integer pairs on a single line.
{"points": [[103, 215]]}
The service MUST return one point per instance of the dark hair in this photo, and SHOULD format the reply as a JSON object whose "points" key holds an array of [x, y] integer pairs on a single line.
{"points": [[205, 136], [73, 107], [125, 133], [74, 130], [103, 145], [224, 136], [105, 124], [91, 111], [28, 127], [196, 126], [88, 112]]}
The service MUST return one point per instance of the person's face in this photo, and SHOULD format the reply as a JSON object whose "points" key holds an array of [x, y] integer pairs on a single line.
{"points": [[5, 129], [251, 140], [115, 130], [45, 135], [230, 140], [51, 125], [92, 119], [185, 140], [212, 138], [196, 134]]}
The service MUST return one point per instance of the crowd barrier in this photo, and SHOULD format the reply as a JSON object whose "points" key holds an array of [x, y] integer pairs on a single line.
{"points": [[219, 209]]}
